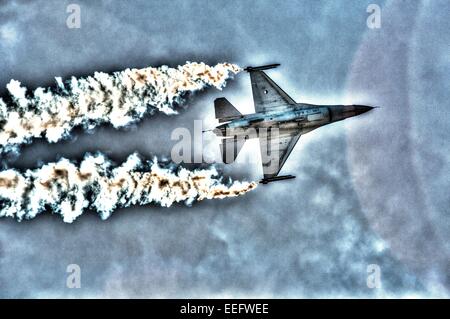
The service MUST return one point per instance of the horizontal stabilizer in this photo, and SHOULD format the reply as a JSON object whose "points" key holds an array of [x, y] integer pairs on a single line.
{"points": [[225, 111]]}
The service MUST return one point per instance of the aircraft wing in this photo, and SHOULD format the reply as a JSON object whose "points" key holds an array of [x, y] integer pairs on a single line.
{"points": [[275, 151], [267, 95]]}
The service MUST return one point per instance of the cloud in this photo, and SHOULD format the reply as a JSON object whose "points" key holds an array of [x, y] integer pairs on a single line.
{"points": [[120, 99], [68, 189]]}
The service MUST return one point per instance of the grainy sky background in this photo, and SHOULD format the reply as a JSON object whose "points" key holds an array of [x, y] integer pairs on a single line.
{"points": [[371, 190]]}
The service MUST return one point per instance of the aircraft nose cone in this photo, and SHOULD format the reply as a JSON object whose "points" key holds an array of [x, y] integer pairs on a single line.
{"points": [[341, 112], [360, 109]]}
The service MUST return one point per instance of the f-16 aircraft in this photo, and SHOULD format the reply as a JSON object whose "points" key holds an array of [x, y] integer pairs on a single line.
{"points": [[278, 122]]}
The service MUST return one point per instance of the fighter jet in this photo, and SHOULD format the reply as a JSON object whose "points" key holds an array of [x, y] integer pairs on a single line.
{"points": [[279, 122]]}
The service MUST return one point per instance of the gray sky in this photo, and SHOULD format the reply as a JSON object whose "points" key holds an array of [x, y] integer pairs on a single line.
{"points": [[373, 190]]}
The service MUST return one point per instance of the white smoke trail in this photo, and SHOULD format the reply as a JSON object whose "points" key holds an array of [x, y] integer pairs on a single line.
{"points": [[68, 189], [119, 98]]}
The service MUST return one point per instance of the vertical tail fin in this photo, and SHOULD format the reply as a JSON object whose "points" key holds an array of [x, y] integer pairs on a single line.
{"points": [[225, 111]]}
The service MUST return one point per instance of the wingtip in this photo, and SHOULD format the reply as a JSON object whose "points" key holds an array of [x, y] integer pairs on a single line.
{"points": [[275, 179], [261, 67]]}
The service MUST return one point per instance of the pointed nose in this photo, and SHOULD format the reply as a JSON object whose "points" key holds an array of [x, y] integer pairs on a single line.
{"points": [[341, 112], [360, 109]]}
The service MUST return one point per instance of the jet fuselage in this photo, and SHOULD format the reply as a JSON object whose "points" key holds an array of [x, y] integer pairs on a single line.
{"points": [[302, 118], [278, 122]]}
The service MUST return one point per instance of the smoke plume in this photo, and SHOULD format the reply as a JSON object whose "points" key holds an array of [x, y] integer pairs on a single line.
{"points": [[68, 189], [120, 99]]}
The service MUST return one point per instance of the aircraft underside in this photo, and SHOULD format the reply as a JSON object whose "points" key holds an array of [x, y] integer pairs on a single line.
{"points": [[278, 122]]}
